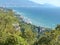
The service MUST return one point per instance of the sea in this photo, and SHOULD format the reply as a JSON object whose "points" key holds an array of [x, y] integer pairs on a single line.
{"points": [[40, 16]]}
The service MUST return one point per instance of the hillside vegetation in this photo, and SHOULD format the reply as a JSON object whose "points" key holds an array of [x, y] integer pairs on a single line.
{"points": [[14, 31]]}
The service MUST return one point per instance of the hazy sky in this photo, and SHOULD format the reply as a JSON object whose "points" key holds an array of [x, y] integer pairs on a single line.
{"points": [[26, 2], [53, 2]]}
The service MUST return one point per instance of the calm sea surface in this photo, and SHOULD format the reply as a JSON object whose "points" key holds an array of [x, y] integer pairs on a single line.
{"points": [[47, 17]]}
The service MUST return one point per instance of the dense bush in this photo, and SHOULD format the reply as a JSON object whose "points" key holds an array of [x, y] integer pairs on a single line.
{"points": [[15, 32]]}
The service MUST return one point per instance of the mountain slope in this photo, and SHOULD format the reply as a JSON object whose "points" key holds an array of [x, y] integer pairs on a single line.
{"points": [[21, 3]]}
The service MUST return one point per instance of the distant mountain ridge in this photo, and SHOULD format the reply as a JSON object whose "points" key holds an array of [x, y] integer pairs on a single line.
{"points": [[33, 4], [25, 3]]}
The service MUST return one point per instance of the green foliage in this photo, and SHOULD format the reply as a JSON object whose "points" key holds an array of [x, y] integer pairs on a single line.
{"points": [[15, 40], [15, 32], [44, 41], [8, 33], [57, 27], [27, 33]]}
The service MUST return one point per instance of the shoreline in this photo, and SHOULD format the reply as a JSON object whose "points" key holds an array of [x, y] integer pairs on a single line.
{"points": [[33, 22]]}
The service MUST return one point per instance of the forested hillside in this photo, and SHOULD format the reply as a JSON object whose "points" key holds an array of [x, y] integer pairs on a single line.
{"points": [[14, 31]]}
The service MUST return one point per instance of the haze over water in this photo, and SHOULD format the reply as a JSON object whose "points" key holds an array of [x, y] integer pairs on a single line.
{"points": [[46, 17]]}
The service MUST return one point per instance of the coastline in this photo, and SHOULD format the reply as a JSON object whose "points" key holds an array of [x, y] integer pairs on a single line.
{"points": [[33, 22]]}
